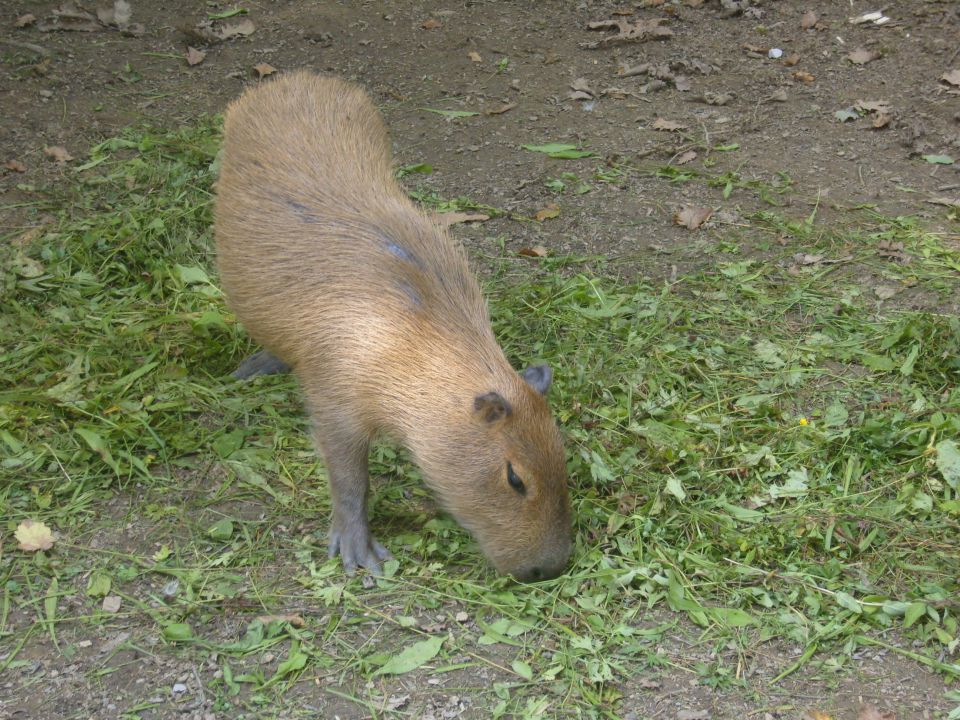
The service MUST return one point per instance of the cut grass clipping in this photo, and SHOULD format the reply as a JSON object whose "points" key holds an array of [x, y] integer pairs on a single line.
{"points": [[755, 450]]}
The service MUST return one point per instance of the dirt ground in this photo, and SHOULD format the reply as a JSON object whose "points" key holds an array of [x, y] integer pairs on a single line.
{"points": [[712, 85]]}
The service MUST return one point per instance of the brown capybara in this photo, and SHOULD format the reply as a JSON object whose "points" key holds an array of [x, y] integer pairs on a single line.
{"points": [[331, 267]]}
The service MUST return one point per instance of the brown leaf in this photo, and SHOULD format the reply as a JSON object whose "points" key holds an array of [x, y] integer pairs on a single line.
{"points": [[550, 211], [638, 31], [952, 77], [537, 251], [861, 56], [881, 120], [803, 76], [667, 125], [68, 16], [948, 202], [263, 69], [808, 20], [499, 109], [692, 217], [869, 712], [625, 11], [58, 153], [791, 59], [243, 28], [583, 86], [15, 165], [431, 24], [453, 218], [33, 535], [474, 56], [755, 50], [194, 56], [579, 95], [25, 20], [686, 157], [292, 618]]}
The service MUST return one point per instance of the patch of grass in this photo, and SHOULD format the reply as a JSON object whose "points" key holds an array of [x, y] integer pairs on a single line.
{"points": [[755, 449]]}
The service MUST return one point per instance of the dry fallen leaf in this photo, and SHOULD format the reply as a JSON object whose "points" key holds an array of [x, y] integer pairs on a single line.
{"points": [[861, 56], [791, 59], [692, 217], [639, 31], [808, 20], [25, 20], [15, 165], [869, 712], [474, 56], [550, 211], [952, 77], [667, 125], [293, 619], [111, 603], [453, 218], [499, 109], [238, 29], [686, 157], [537, 251], [816, 715], [803, 76], [33, 536], [58, 153], [194, 56], [581, 90], [431, 24], [263, 69], [68, 16]]}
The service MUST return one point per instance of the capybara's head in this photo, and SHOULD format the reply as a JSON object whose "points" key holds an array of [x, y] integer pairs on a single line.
{"points": [[504, 477]]}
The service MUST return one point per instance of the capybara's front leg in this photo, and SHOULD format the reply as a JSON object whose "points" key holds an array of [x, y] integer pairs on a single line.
{"points": [[350, 537]]}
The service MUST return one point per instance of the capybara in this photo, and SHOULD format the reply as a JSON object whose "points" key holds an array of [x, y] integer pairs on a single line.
{"points": [[331, 267]]}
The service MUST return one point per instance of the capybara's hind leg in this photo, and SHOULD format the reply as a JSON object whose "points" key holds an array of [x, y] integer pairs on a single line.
{"points": [[260, 363], [345, 456]]}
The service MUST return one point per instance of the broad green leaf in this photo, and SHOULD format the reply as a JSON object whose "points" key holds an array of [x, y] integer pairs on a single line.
{"points": [[177, 632], [192, 275], [836, 415], [849, 602], [561, 151], [412, 657], [938, 159], [222, 530], [98, 585], [522, 669], [733, 617], [914, 612], [675, 488], [948, 462], [296, 661], [795, 486]]}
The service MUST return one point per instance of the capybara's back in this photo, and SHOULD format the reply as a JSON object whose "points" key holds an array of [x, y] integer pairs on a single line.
{"points": [[329, 265]]}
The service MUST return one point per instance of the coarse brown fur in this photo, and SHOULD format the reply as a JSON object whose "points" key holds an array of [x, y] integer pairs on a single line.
{"points": [[332, 268]]}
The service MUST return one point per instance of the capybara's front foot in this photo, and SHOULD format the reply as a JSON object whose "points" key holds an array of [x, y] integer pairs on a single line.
{"points": [[357, 547]]}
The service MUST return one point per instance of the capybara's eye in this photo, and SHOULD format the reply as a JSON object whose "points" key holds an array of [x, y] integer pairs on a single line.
{"points": [[515, 482]]}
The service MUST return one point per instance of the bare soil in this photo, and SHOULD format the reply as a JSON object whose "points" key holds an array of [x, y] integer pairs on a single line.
{"points": [[73, 89]]}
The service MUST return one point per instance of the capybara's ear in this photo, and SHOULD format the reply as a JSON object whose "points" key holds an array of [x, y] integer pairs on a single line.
{"points": [[491, 407], [539, 377]]}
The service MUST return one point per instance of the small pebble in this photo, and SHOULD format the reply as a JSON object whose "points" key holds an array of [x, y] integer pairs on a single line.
{"points": [[775, 53], [179, 688]]}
